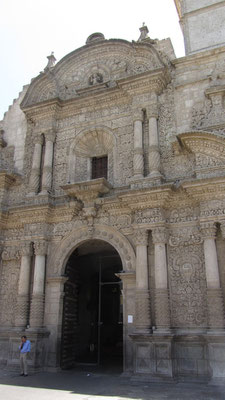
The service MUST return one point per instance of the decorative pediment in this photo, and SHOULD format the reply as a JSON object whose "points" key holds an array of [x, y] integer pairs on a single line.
{"points": [[98, 64], [209, 151]]}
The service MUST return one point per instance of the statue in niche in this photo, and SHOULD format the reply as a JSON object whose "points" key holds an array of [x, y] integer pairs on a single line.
{"points": [[95, 78]]}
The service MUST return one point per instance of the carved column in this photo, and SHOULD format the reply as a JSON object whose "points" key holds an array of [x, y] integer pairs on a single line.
{"points": [[138, 167], [37, 302], [22, 311], [48, 161], [34, 183], [142, 312], [162, 308], [154, 155], [214, 292]]}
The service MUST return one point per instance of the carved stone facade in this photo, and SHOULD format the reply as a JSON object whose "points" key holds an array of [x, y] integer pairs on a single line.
{"points": [[159, 123]]}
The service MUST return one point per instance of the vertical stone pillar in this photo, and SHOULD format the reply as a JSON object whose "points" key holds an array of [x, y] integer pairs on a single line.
{"points": [[162, 308], [142, 312], [154, 155], [34, 183], [37, 302], [48, 161], [22, 311], [214, 292], [138, 162]]}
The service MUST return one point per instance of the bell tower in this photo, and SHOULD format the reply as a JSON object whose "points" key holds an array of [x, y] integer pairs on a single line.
{"points": [[202, 23]]}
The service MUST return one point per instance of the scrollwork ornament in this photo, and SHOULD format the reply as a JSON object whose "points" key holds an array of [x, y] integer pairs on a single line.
{"points": [[10, 254]]}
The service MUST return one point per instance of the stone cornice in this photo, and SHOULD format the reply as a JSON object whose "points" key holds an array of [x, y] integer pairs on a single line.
{"points": [[144, 198], [205, 189]]}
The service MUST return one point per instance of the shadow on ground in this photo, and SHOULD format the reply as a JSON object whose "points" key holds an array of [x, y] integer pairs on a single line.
{"points": [[97, 383]]}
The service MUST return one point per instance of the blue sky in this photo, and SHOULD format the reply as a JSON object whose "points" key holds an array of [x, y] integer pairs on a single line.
{"points": [[30, 30]]}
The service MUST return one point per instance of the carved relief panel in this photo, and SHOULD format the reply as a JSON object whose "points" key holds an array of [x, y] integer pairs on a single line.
{"points": [[9, 276], [187, 285]]}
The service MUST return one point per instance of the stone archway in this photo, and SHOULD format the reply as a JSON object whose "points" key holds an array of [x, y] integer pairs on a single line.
{"points": [[57, 263], [110, 235], [92, 322]]}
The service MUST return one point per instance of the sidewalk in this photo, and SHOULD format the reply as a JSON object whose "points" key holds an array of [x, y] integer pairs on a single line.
{"points": [[98, 385]]}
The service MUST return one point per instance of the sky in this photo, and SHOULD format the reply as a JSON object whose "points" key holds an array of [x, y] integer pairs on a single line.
{"points": [[31, 29]]}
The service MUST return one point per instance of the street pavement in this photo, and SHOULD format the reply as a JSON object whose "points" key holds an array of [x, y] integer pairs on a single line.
{"points": [[98, 384]]}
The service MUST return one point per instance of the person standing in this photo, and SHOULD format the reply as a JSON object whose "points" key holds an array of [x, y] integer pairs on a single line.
{"points": [[24, 350]]}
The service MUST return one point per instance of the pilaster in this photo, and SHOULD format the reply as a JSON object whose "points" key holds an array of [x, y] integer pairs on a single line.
{"points": [[214, 292]]}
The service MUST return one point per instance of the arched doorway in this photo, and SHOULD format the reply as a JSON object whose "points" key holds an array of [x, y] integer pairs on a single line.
{"points": [[92, 326]]}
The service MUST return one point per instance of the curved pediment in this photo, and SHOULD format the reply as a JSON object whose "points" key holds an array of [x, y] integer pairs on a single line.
{"points": [[99, 63], [209, 150]]}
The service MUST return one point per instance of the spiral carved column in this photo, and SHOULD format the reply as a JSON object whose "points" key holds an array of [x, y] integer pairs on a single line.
{"points": [[154, 155], [48, 160], [142, 312], [34, 183], [22, 308], [37, 301], [138, 162], [162, 308], [214, 291]]}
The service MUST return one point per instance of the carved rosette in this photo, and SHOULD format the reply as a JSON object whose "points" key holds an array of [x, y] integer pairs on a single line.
{"points": [[141, 237], [159, 234], [22, 310], [162, 310], [142, 311], [216, 319], [208, 230], [37, 311], [40, 248]]}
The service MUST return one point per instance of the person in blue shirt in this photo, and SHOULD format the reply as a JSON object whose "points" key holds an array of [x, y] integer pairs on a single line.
{"points": [[24, 350]]}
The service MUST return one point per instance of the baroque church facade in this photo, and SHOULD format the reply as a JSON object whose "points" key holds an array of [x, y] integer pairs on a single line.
{"points": [[113, 206]]}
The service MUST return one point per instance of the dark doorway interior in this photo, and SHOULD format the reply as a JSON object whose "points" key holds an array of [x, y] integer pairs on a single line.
{"points": [[92, 329]]}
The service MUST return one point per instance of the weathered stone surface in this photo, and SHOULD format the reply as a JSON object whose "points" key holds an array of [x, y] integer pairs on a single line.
{"points": [[158, 201]]}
